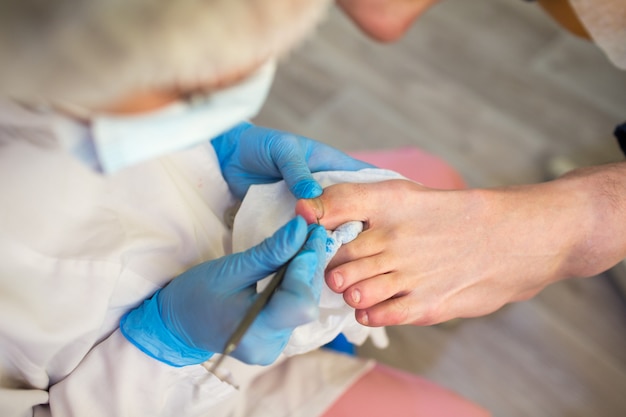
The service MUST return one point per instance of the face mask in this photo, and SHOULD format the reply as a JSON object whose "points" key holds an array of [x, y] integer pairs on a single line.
{"points": [[116, 142]]}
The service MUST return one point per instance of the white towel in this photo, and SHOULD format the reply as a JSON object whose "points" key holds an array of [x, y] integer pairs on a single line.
{"points": [[265, 209]]}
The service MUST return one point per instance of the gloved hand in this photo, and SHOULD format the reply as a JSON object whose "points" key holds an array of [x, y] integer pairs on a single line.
{"points": [[194, 315], [249, 155]]}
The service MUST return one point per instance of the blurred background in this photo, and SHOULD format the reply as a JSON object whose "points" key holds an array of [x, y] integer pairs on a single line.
{"points": [[500, 92]]}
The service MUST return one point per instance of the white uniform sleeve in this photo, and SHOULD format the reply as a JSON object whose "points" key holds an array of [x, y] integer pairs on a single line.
{"points": [[78, 251], [116, 379]]}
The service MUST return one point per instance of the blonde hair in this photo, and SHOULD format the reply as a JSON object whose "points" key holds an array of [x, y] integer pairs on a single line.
{"points": [[95, 51]]}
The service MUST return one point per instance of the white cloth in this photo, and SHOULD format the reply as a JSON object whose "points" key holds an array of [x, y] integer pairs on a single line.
{"points": [[78, 251], [605, 20], [343, 234], [252, 225], [299, 386]]}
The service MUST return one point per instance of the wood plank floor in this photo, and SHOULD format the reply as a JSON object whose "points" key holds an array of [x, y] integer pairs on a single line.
{"points": [[497, 90]]}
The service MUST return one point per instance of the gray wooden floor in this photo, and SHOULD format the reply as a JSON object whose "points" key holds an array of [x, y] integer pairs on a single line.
{"points": [[497, 90]]}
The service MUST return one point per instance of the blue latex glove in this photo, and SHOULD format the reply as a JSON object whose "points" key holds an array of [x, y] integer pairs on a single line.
{"points": [[194, 315], [250, 154]]}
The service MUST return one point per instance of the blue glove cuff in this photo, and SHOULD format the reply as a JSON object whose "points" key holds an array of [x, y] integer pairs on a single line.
{"points": [[144, 328]]}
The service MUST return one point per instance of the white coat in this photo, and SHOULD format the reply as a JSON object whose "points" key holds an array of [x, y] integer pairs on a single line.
{"points": [[79, 250]]}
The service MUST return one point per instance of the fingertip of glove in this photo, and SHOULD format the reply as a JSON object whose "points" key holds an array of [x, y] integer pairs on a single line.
{"points": [[307, 189], [315, 230], [296, 226], [317, 237]]}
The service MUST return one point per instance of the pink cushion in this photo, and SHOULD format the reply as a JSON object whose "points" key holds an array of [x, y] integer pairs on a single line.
{"points": [[415, 164], [385, 391]]}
